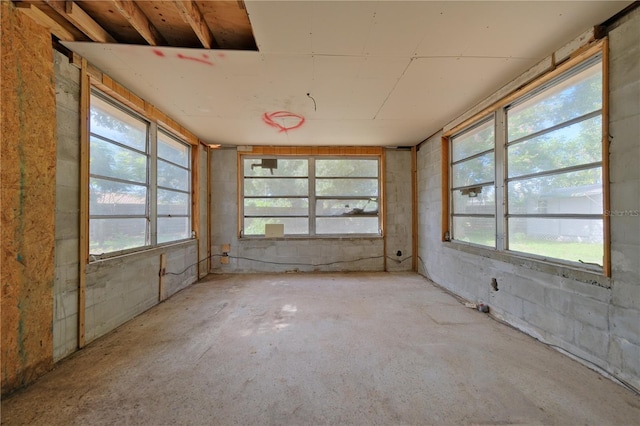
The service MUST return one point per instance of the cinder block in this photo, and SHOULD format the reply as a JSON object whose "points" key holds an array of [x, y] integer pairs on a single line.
{"points": [[625, 101], [553, 323], [625, 323], [592, 340]]}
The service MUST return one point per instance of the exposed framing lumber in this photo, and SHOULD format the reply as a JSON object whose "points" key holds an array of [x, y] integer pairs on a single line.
{"points": [[606, 192], [195, 201], [79, 18], [208, 180], [138, 20], [83, 253], [414, 208], [192, 16], [46, 21]]}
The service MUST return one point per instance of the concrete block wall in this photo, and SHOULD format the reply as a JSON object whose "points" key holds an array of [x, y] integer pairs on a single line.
{"points": [[593, 317], [398, 198], [65, 285], [120, 288], [277, 255]]}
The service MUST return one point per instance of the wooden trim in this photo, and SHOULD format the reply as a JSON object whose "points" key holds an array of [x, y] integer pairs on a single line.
{"points": [[240, 186], [191, 15], [445, 187], [383, 206], [139, 105], [314, 150], [606, 193], [83, 252], [208, 150], [138, 20], [195, 201], [575, 59], [414, 208], [46, 21]]}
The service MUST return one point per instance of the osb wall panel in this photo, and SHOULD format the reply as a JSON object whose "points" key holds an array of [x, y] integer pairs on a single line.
{"points": [[27, 185]]}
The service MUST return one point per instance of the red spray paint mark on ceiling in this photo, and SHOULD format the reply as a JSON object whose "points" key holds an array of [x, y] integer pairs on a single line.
{"points": [[158, 52], [203, 60], [269, 117]]}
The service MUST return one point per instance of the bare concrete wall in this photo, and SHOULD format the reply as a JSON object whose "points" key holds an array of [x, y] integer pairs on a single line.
{"points": [[569, 309], [398, 209], [28, 150], [277, 255]]}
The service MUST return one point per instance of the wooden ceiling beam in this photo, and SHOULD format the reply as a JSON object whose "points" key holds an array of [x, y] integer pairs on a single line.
{"points": [[138, 20], [45, 20], [192, 16], [78, 17]]}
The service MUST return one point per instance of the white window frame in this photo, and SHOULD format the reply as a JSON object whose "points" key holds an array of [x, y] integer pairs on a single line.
{"points": [[311, 195]]}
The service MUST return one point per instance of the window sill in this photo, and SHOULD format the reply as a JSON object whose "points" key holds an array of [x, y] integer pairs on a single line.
{"points": [[311, 237], [587, 275], [120, 257]]}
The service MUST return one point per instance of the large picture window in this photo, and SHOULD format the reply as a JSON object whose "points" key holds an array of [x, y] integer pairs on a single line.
{"points": [[311, 195], [529, 177], [139, 185]]}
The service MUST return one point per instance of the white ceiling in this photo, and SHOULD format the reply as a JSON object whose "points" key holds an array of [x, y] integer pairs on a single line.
{"points": [[381, 72]]}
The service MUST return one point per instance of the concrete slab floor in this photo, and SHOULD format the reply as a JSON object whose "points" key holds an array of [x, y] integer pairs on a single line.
{"points": [[361, 348]]}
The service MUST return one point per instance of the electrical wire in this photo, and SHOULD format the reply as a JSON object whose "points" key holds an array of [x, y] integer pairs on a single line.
{"points": [[315, 107]]}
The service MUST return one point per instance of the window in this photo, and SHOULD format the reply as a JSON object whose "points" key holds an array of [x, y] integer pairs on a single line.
{"points": [[311, 195], [529, 177], [132, 175]]}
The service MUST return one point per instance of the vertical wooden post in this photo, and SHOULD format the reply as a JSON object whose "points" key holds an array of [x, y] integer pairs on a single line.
{"points": [[414, 208], [208, 150], [195, 201], [606, 197], [383, 206], [83, 254]]}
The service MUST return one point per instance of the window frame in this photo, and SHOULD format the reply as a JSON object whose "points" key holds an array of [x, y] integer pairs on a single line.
{"points": [[499, 108], [153, 128], [372, 154]]}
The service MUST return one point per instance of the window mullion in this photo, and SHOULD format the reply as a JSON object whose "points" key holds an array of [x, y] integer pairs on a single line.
{"points": [[312, 196], [501, 168], [153, 182]]}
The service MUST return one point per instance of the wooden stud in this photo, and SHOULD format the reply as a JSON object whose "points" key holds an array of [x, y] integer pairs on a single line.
{"points": [[85, 23], [192, 16], [83, 254], [138, 20], [163, 270], [208, 150], [382, 206], [445, 187], [414, 208], [195, 200], [46, 21], [606, 193], [240, 186]]}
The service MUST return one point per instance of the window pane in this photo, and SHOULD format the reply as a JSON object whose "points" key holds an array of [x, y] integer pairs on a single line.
{"points": [[114, 198], [173, 228], [571, 193], [171, 176], [117, 125], [284, 167], [571, 98], [473, 142], [580, 143], [114, 161], [171, 150], [346, 168], [276, 207], [347, 225], [172, 203], [483, 203], [367, 207], [477, 230], [292, 225], [568, 239], [276, 187], [107, 235], [326, 187], [477, 170]]}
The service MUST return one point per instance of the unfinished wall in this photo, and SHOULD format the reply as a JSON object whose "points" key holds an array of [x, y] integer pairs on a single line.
{"points": [[28, 151], [65, 286], [203, 241], [341, 253], [398, 209], [564, 308]]}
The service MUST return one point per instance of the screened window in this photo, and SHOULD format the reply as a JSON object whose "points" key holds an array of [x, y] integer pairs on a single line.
{"points": [[529, 178], [127, 182], [311, 196]]}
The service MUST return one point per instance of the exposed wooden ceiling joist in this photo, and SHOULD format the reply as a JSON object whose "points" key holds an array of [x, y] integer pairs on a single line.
{"points": [[46, 21], [192, 15], [78, 17], [131, 11]]}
